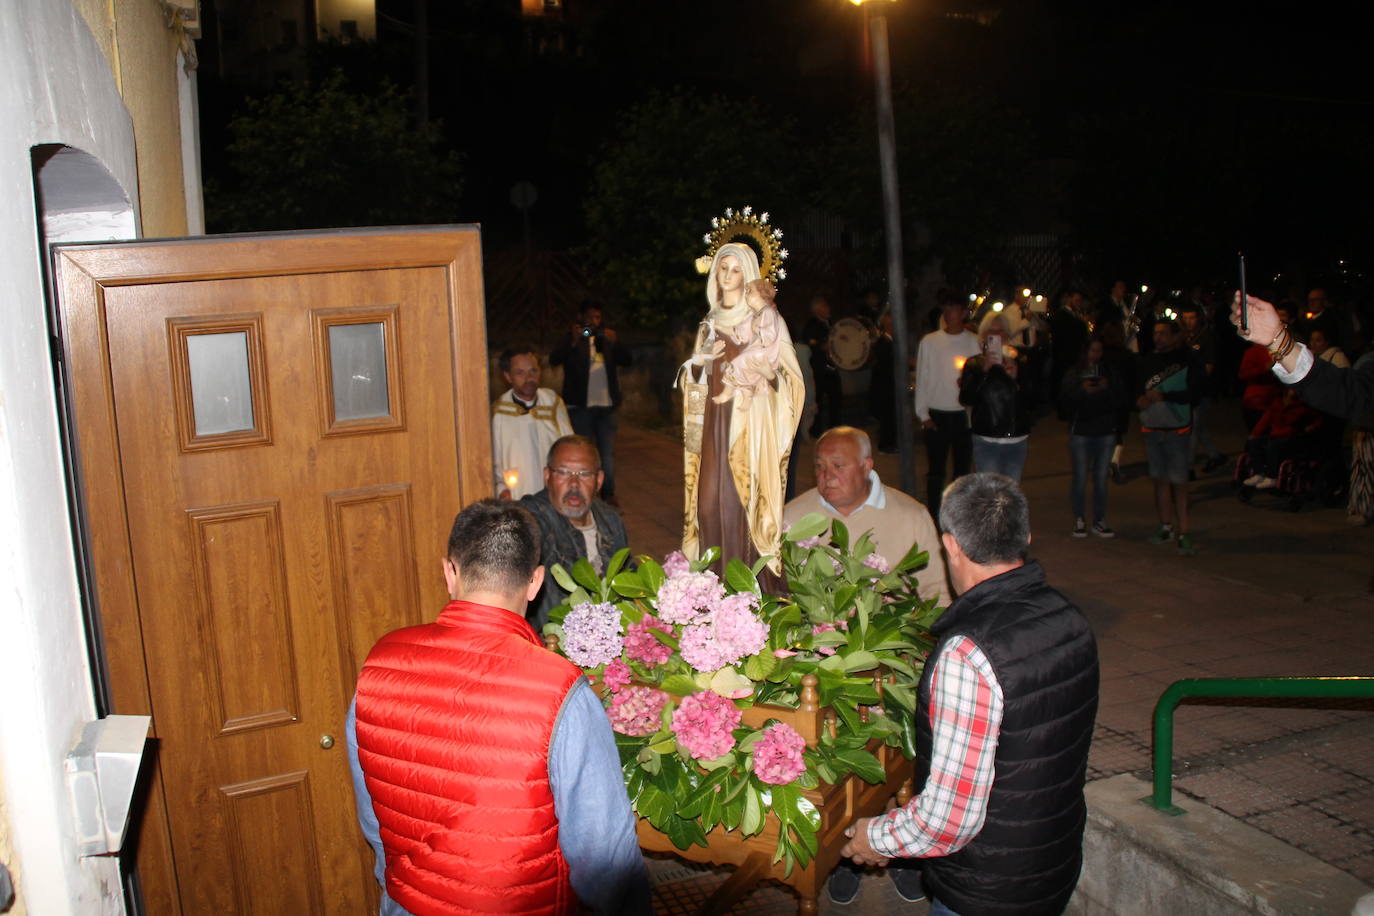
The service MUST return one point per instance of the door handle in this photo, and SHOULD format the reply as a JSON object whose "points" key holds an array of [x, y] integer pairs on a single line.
{"points": [[326, 741]]}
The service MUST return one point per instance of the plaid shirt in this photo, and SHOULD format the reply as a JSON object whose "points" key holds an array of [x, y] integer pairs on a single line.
{"points": [[965, 719]]}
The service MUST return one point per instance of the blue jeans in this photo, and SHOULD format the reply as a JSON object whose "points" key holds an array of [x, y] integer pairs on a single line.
{"points": [[1091, 455], [938, 908], [1000, 458], [599, 424]]}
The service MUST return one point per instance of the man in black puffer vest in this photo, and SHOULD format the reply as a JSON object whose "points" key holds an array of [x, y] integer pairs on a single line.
{"points": [[1004, 720]]}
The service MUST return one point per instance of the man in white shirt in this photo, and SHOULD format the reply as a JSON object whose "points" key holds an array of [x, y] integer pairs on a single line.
{"points": [[525, 421], [847, 488], [943, 420]]}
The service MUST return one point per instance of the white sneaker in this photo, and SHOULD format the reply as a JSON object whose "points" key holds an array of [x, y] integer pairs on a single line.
{"points": [[1252, 480], [1080, 528]]}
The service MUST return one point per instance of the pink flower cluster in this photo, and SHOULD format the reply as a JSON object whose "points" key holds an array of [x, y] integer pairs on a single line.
{"points": [[675, 564], [637, 711], [688, 597], [616, 675], [734, 631], [641, 646], [591, 634], [704, 724], [879, 562], [778, 755]]}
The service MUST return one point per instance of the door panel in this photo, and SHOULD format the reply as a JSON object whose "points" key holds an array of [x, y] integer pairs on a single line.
{"points": [[291, 433]]}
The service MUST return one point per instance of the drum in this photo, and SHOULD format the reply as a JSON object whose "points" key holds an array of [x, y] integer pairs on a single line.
{"points": [[851, 343]]}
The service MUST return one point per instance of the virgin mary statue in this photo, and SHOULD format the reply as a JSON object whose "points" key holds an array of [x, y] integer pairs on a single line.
{"points": [[736, 452]]}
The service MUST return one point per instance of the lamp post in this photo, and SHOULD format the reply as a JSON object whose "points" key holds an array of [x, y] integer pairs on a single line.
{"points": [[892, 218]]}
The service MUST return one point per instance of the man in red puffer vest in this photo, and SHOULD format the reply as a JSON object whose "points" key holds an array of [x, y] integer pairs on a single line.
{"points": [[486, 775]]}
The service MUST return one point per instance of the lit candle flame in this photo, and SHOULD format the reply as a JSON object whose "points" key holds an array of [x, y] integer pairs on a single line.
{"points": [[959, 363], [512, 477]]}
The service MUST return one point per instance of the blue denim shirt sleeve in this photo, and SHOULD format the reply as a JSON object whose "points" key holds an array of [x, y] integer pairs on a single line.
{"points": [[367, 818], [596, 827]]}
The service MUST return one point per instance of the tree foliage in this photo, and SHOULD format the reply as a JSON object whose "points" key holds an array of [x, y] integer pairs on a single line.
{"points": [[673, 162], [961, 162], [318, 156]]}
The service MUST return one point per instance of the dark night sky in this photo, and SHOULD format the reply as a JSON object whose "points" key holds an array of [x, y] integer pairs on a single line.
{"points": [[1189, 128]]}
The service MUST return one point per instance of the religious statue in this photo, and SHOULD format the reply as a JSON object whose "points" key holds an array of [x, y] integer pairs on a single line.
{"points": [[743, 394]]}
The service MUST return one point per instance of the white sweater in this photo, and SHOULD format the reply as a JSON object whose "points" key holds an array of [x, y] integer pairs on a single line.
{"points": [[939, 361]]}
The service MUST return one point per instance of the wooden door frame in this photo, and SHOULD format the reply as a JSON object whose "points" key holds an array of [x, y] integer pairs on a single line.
{"points": [[82, 272]]}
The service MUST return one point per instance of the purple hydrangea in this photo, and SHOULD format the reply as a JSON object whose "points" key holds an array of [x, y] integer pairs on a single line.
{"points": [[689, 597], [591, 634]]}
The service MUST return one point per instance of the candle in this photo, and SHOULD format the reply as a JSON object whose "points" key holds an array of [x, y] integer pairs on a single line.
{"points": [[959, 363], [512, 477]]}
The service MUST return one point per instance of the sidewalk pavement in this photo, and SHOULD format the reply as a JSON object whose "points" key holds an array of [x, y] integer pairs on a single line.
{"points": [[1270, 593]]}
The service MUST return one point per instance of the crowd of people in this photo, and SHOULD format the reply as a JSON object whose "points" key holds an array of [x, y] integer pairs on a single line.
{"points": [[987, 372]]}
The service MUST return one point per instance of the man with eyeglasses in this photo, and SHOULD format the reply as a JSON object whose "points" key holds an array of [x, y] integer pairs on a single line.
{"points": [[573, 522]]}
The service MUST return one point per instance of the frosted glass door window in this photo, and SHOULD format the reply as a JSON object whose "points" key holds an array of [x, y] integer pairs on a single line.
{"points": [[221, 388], [357, 360]]}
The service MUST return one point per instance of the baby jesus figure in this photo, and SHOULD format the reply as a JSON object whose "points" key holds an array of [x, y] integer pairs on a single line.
{"points": [[753, 369]]}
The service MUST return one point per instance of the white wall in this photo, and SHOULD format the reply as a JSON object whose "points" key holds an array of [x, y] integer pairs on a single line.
{"points": [[55, 87]]}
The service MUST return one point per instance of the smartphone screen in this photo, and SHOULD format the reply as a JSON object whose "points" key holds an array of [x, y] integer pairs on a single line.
{"points": [[993, 348]]}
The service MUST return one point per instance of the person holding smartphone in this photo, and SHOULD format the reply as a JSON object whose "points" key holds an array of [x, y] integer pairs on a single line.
{"points": [[1090, 398], [1001, 417]]}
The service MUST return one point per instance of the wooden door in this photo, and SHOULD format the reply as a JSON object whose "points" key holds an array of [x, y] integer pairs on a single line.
{"points": [[275, 433]]}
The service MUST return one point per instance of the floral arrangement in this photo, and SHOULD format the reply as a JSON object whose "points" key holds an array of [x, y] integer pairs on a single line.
{"points": [[677, 654]]}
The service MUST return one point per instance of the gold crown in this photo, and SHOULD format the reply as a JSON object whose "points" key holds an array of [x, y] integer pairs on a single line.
{"points": [[748, 226]]}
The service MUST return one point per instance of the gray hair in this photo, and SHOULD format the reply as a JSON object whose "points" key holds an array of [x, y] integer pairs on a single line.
{"points": [[988, 518], [573, 439], [849, 432]]}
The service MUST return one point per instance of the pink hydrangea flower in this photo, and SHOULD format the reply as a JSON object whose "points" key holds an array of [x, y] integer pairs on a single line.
{"points": [[879, 562], [591, 634], [675, 564], [734, 631], [616, 675], [810, 542], [688, 597], [778, 755], [704, 724], [637, 711], [641, 646]]}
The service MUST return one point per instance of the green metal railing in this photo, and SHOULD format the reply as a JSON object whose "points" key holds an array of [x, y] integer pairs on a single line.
{"points": [[1323, 687]]}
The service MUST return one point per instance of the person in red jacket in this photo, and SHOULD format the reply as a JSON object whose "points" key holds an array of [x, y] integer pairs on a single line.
{"points": [[484, 769], [1283, 432], [1261, 388]]}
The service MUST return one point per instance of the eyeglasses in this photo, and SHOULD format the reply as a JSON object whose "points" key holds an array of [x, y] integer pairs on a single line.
{"points": [[569, 473]]}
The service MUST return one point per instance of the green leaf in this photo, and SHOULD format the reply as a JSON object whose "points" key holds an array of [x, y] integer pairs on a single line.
{"points": [[758, 566], [584, 574], [706, 559], [861, 660], [864, 765], [679, 685], [916, 558], [561, 576], [849, 715], [808, 526], [746, 744], [832, 663], [651, 574], [710, 787], [630, 585], [839, 536], [752, 821], [809, 816], [682, 832], [617, 563], [758, 667], [739, 577], [902, 696]]}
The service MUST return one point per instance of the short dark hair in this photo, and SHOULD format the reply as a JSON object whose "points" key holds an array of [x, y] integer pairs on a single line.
{"points": [[510, 353], [988, 518], [573, 439], [948, 297], [1190, 307], [495, 545], [1168, 322]]}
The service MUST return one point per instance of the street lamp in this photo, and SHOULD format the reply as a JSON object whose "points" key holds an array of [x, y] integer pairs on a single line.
{"points": [[892, 218]]}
